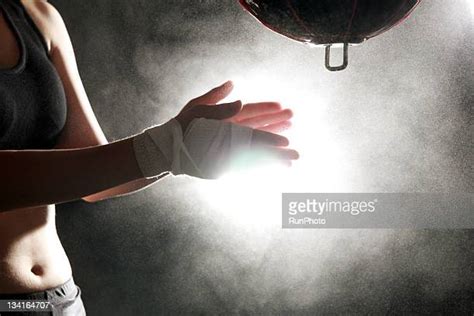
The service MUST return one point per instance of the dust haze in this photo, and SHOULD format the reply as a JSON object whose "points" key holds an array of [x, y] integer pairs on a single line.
{"points": [[398, 119]]}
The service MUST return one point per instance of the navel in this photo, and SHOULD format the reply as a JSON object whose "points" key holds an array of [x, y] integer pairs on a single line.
{"points": [[37, 270]]}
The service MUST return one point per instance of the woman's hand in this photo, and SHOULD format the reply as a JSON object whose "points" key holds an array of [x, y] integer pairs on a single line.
{"points": [[217, 134], [264, 116]]}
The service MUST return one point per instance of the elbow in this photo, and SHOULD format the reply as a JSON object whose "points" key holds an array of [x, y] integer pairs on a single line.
{"points": [[91, 199], [97, 197]]}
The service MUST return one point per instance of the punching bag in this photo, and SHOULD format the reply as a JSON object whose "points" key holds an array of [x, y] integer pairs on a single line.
{"points": [[329, 22]]}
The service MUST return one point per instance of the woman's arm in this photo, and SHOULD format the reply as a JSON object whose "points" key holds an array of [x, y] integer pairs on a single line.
{"points": [[81, 129], [40, 177], [84, 165]]}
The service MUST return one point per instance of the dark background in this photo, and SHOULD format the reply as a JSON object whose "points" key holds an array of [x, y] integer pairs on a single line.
{"points": [[401, 114]]}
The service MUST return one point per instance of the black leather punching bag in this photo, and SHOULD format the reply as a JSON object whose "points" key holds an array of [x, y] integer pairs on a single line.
{"points": [[328, 22]]}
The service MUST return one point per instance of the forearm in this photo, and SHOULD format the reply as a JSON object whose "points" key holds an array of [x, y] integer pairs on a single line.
{"points": [[33, 178], [123, 189]]}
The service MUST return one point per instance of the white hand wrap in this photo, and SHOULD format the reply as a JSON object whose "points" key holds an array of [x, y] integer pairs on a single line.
{"points": [[206, 149]]}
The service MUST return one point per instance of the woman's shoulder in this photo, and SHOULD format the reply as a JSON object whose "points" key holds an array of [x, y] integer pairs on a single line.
{"points": [[48, 20]]}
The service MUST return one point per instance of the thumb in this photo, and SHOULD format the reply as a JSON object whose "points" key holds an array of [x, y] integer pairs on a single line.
{"points": [[215, 95], [218, 112]]}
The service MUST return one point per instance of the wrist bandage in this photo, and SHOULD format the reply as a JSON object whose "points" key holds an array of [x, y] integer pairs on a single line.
{"points": [[205, 150]]}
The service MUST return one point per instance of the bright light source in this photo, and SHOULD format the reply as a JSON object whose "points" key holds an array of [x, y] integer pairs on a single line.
{"points": [[253, 198], [470, 3]]}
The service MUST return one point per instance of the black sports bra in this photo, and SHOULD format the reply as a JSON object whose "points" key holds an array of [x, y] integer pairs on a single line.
{"points": [[32, 101]]}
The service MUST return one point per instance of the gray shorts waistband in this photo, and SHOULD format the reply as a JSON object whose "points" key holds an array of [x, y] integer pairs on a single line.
{"points": [[56, 294]]}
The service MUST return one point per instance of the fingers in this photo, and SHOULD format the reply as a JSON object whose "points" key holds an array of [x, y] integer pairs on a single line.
{"points": [[218, 112], [265, 156], [268, 119], [281, 153], [215, 95], [260, 138], [276, 128], [256, 109]]}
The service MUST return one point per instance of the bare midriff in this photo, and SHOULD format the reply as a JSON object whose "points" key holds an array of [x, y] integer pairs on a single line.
{"points": [[32, 258]]}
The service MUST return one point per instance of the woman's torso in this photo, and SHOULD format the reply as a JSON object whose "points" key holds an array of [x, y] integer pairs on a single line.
{"points": [[32, 258], [32, 113]]}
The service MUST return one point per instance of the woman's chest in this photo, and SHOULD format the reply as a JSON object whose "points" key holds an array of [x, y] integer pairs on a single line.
{"points": [[9, 48], [32, 107]]}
